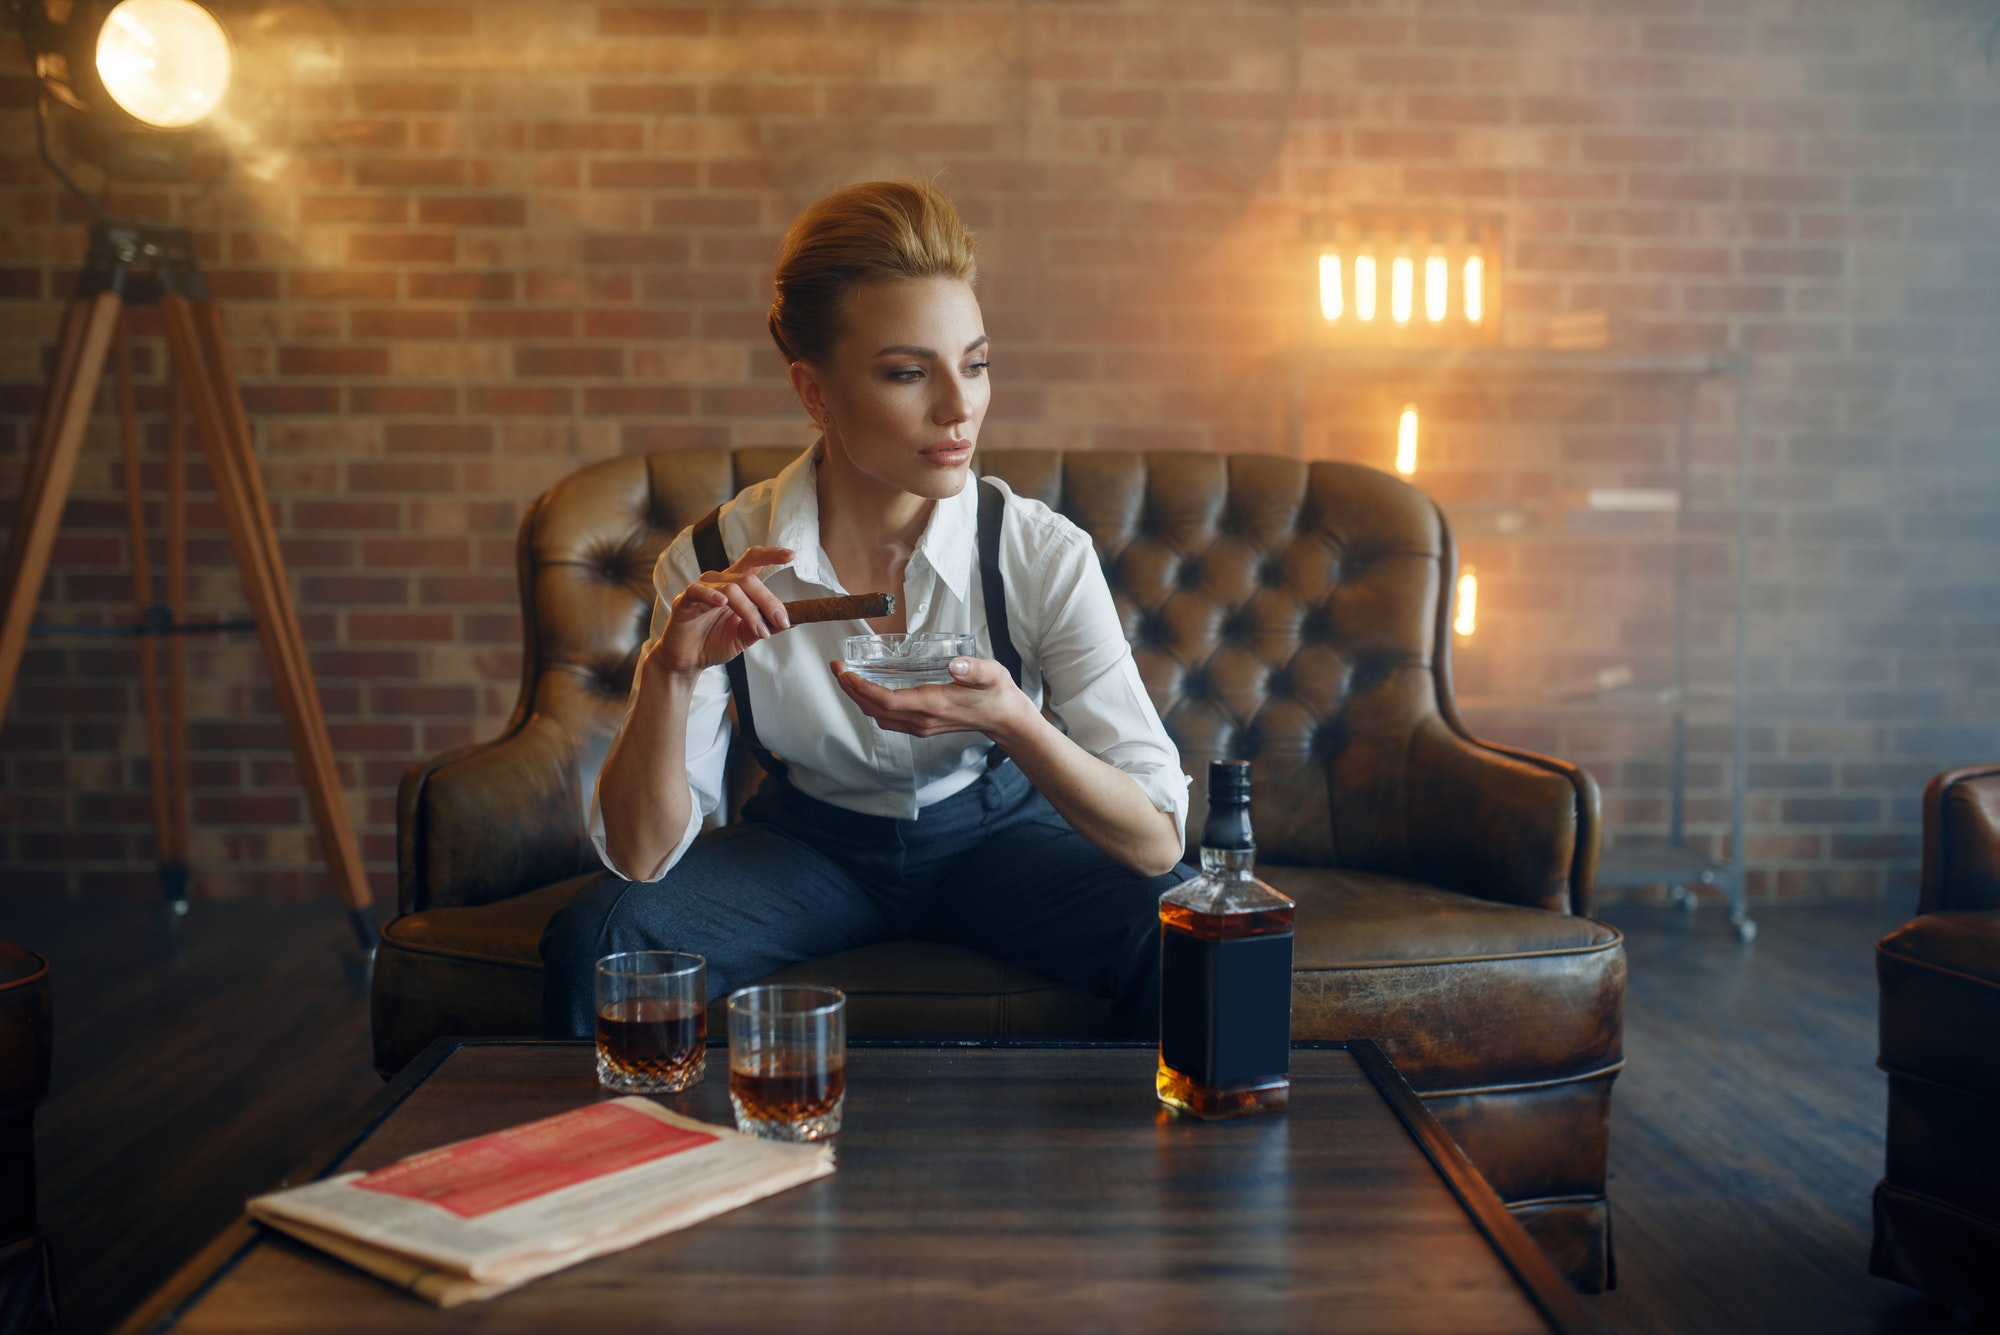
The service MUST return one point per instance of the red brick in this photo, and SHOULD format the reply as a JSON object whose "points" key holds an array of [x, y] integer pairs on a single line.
{"points": [[636, 401], [423, 701], [642, 174], [408, 20], [345, 515], [351, 208], [447, 552], [1794, 262], [384, 132], [279, 400], [462, 286], [474, 210], [242, 284], [345, 360], [399, 627], [341, 284], [438, 438], [519, 322], [1112, 103], [710, 212], [403, 476], [467, 591], [589, 136], [651, 21], [407, 95], [520, 400], [403, 173], [634, 248], [569, 362], [645, 99], [402, 247], [349, 590], [402, 400], [398, 322], [762, 99], [635, 324], [1405, 143], [892, 100]]}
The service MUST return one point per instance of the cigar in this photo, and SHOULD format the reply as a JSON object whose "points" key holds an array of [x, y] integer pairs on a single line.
{"points": [[854, 607]]}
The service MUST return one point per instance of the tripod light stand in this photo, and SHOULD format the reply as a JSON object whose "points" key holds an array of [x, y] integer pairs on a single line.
{"points": [[141, 264]]}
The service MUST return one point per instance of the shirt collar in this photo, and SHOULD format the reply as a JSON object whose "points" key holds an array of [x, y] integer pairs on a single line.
{"points": [[948, 541], [795, 518], [946, 545]]}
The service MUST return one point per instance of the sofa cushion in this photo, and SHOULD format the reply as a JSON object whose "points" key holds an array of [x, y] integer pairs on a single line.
{"points": [[1463, 994], [477, 972], [1940, 979]]}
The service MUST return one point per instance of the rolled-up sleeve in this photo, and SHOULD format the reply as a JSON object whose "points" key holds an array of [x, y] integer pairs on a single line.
{"points": [[1092, 684], [707, 726]]}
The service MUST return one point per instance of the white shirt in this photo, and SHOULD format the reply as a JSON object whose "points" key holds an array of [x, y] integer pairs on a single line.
{"points": [[1074, 659]]}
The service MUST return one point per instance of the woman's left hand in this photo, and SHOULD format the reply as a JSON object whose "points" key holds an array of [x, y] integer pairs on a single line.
{"points": [[982, 697]]}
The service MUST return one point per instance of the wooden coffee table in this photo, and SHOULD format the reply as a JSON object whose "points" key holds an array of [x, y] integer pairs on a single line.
{"points": [[982, 1187]]}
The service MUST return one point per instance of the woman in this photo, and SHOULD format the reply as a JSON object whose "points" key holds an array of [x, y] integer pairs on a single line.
{"points": [[954, 813]]}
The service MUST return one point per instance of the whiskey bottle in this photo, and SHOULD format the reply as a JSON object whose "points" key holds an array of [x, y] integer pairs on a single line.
{"points": [[1226, 970]]}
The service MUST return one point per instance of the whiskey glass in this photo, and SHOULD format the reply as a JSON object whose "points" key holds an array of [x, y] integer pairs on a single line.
{"points": [[788, 1061], [652, 1021]]}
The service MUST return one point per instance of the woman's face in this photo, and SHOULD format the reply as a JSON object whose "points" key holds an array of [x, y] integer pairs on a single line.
{"points": [[905, 389]]}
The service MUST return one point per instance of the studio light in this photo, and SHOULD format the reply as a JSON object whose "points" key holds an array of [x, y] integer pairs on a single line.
{"points": [[166, 62], [1434, 279], [136, 76]]}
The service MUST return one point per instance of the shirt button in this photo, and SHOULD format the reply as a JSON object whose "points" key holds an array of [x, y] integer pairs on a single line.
{"points": [[923, 608]]}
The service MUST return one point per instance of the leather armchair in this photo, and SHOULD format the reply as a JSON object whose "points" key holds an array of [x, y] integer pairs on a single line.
{"points": [[1937, 1208], [27, 1285], [1293, 614]]}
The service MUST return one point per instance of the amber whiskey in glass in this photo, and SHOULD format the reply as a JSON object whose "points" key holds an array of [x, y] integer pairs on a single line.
{"points": [[1226, 971]]}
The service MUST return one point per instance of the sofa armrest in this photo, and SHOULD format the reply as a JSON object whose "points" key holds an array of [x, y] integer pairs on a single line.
{"points": [[1499, 823], [488, 822], [1961, 841]]}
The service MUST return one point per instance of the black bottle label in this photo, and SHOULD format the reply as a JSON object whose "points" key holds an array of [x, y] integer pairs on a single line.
{"points": [[1226, 1007]]}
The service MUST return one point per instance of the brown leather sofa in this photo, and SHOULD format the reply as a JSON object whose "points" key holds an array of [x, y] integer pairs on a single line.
{"points": [[1295, 615], [27, 1286], [1937, 1208]]}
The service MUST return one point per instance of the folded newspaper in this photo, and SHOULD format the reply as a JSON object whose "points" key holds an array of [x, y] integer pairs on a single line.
{"points": [[471, 1220]]}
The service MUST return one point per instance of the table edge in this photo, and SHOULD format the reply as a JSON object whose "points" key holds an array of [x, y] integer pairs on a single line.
{"points": [[1524, 1261]]}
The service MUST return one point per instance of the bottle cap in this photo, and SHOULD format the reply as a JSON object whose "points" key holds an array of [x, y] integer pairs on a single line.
{"points": [[1228, 781]]}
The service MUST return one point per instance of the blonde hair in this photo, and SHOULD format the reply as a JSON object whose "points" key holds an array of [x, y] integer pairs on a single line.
{"points": [[865, 233]]}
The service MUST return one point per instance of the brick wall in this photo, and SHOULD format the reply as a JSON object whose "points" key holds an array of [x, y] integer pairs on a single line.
{"points": [[473, 246]]}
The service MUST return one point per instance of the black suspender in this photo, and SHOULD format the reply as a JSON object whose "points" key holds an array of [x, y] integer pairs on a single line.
{"points": [[992, 505], [710, 553]]}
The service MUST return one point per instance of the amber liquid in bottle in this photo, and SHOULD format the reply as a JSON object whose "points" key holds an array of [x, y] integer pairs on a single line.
{"points": [[1225, 972]]}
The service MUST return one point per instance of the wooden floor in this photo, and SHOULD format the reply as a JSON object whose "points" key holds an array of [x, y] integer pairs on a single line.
{"points": [[192, 1070]]}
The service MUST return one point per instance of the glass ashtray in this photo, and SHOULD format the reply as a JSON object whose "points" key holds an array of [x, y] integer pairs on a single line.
{"points": [[909, 658]]}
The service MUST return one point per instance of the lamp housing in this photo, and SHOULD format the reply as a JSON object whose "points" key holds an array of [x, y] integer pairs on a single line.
{"points": [[140, 76]]}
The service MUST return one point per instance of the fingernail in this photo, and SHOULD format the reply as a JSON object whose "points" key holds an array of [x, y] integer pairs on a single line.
{"points": [[960, 666]]}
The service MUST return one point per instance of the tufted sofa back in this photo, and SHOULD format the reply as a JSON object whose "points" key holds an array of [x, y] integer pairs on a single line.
{"points": [[1286, 613]]}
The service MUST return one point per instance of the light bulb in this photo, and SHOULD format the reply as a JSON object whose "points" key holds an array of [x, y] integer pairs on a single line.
{"points": [[1467, 619], [1406, 441], [167, 62], [1475, 289], [1330, 303], [1437, 285], [1402, 282], [1364, 287]]}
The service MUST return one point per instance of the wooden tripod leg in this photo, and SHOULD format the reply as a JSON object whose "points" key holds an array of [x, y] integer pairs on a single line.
{"points": [[79, 366], [196, 334], [173, 876], [178, 784]]}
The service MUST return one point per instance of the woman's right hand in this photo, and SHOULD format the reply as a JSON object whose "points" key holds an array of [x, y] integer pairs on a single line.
{"points": [[720, 615]]}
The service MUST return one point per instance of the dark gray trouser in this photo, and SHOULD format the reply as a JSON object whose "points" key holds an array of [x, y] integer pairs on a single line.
{"points": [[992, 868]]}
